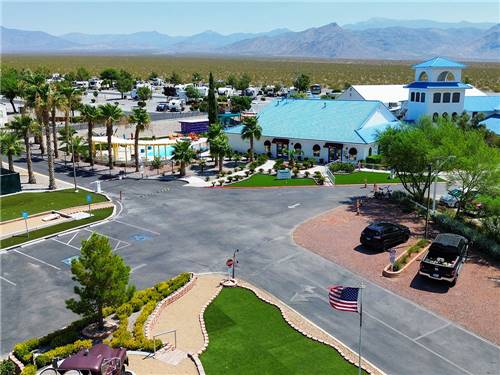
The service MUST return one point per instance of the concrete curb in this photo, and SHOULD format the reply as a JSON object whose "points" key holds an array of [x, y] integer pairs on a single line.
{"points": [[392, 274], [40, 239]]}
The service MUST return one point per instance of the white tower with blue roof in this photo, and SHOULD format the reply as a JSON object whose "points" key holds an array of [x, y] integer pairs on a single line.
{"points": [[437, 90]]}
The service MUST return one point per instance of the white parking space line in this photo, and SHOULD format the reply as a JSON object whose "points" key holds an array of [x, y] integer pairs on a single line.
{"points": [[294, 205], [38, 260], [72, 238], [105, 235], [137, 227], [67, 244], [419, 344], [432, 331], [7, 281], [137, 267]]}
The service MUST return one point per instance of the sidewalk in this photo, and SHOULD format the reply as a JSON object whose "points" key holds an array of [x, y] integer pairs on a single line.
{"points": [[42, 180]]}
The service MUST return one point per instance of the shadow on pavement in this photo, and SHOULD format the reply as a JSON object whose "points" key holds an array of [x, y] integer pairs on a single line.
{"points": [[428, 285]]}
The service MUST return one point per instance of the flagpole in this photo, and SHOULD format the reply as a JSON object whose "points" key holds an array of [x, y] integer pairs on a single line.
{"points": [[360, 325]]}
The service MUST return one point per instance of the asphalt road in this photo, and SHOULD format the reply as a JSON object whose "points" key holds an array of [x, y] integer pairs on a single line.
{"points": [[164, 228]]}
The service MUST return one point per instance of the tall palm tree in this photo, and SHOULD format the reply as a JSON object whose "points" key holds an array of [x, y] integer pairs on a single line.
{"points": [[58, 103], [220, 147], [10, 145], [29, 85], [91, 115], [72, 97], [24, 126], [78, 148], [44, 98], [214, 130], [184, 153], [110, 114], [142, 120], [251, 130]]}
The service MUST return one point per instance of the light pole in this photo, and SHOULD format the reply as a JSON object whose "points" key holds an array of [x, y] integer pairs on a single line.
{"points": [[74, 168], [429, 171], [234, 260]]}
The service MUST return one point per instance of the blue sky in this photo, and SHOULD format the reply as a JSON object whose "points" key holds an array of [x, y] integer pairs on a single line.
{"points": [[189, 17]]}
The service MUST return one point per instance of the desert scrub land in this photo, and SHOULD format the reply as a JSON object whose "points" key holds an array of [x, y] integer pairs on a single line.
{"points": [[335, 74]]}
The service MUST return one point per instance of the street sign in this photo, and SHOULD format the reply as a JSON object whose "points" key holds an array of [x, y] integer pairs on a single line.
{"points": [[25, 214], [89, 198], [229, 262]]}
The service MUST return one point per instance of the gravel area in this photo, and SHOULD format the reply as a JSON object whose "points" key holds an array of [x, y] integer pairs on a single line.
{"points": [[473, 302], [149, 366]]}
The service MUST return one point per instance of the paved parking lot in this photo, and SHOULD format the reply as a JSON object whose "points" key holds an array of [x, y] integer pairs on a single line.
{"points": [[161, 232]]}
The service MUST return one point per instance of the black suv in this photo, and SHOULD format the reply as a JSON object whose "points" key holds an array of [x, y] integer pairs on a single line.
{"points": [[382, 236]]}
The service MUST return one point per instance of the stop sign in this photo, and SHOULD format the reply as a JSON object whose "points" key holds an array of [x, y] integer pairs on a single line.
{"points": [[229, 262]]}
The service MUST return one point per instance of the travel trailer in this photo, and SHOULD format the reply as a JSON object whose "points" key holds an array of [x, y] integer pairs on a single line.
{"points": [[95, 84], [252, 91], [225, 91], [316, 89]]}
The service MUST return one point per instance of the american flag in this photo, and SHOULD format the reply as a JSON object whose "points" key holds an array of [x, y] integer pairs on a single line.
{"points": [[344, 298]]}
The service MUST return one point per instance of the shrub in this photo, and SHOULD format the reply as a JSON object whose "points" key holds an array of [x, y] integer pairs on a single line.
{"points": [[374, 159], [307, 173], [7, 368], [480, 241], [221, 182], [252, 170], [213, 183], [278, 164], [247, 173], [62, 351], [295, 172], [342, 167], [23, 350], [320, 180], [229, 179], [207, 179], [261, 170], [29, 370]]}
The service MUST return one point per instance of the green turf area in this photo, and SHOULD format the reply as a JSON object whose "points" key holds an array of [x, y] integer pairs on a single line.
{"points": [[33, 203], [249, 336], [19, 239], [359, 178], [259, 180]]}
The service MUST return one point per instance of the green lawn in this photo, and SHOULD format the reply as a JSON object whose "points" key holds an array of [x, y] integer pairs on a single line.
{"points": [[359, 178], [33, 203], [248, 336], [259, 180], [19, 239]]}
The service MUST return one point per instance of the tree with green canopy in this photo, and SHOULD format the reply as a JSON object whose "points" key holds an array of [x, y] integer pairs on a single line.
{"points": [[102, 277], [110, 74], [175, 78], [243, 82], [251, 130], [302, 82], [124, 82], [10, 86], [110, 114], [184, 153], [240, 104], [140, 117], [25, 127], [192, 92], [10, 146], [212, 102], [82, 74]]}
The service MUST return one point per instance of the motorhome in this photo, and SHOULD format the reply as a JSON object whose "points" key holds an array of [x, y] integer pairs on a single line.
{"points": [[252, 91], [81, 84], [176, 105], [316, 89], [95, 84], [225, 91]]}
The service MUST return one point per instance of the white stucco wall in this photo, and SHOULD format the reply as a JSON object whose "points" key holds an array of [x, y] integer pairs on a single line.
{"points": [[240, 145], [428, 108], [350, 94]]}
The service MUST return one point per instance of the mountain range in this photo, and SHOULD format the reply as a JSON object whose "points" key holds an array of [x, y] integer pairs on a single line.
{"points": [[372, 39]]}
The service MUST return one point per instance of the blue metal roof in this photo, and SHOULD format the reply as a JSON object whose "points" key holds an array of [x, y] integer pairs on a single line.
{"points": [[322, 120], [482, 103], [439, 62], [493, 123], [448, 85]]}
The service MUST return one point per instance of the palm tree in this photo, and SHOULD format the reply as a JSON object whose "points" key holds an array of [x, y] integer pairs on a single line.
{"points": [[293, 154], [10, 145], [142, 120], [220, 147], [90, 114], [72, 98], [214, 130], [58, 103], [77, 147], [24, 126], [29, 86], [185, 154], [251, 130], [110, 114]]}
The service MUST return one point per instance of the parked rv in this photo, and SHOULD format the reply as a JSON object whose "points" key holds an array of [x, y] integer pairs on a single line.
{"points": [[316, 89], [95, 84], [225, 91], [176, 105], [252, 91]]}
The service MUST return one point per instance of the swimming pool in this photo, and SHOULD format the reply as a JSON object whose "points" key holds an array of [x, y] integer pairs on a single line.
{"points": [[164, 152]]}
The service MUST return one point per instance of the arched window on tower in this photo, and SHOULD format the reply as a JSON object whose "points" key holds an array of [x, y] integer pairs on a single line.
{"points": [[435, 116], [423, 77], [446, 76], [370, 151], [417, 97], [445, 115], [454, 116], [316, 151]]}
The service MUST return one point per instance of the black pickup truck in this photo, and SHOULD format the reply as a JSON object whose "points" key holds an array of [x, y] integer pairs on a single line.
{"points": [[445, 258]]}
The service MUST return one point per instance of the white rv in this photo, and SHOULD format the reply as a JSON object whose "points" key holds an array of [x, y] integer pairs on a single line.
{"points": [[225, 91], [95, 84], [176, 105], [252, 91]]}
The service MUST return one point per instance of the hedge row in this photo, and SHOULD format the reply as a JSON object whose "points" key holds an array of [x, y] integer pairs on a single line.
{"points": [[342, 167], [480, 241], [146, 300], [62, 352], [64, 336], [29, 370]]}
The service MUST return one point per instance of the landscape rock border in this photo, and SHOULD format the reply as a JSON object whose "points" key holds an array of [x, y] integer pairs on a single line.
{"points": [[348, 354]]}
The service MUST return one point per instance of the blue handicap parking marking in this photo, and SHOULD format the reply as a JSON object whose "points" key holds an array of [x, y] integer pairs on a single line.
{"points": [[140, 237], [68, 261]]}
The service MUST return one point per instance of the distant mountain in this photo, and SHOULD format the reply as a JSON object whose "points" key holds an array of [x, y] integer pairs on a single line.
{"points": [[332, 41], [328, 41], [14, 40], [378, 23]]}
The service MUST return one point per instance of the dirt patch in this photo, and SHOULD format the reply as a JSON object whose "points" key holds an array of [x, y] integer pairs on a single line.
{"points": [[142, 365], [473, 302]]}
